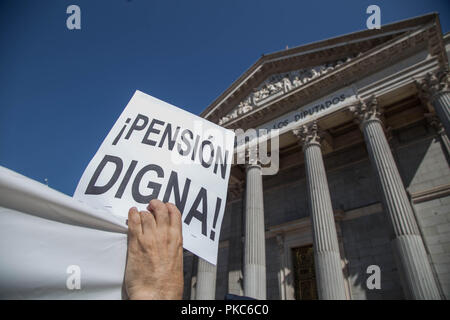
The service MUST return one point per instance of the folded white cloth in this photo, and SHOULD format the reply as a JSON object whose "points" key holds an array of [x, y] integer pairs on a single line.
{"points": [[49, 241]]}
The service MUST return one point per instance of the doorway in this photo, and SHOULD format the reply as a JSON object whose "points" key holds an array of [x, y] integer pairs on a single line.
{"points": [[304, 273]]}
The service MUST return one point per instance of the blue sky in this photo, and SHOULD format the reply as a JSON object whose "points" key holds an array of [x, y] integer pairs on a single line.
{"points": [[62, 90]]}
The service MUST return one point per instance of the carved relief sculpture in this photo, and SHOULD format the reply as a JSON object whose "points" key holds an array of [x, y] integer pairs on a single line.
{"points": [[279, 84]]}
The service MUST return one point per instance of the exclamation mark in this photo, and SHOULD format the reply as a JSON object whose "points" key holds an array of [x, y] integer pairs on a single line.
{"points": [[121, 132], [216, 215]]}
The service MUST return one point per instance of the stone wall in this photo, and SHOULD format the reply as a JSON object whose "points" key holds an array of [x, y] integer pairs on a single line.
{"points": [[366, 242], [222, 273], [272, 267], [189, 272]]}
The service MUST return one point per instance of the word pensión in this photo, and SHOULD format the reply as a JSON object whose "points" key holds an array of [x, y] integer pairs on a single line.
{"points": [[158, 132]]}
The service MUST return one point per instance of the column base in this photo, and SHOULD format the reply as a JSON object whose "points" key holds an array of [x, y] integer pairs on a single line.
{"points": [[254, 287], [416, 273], [206, 281]]}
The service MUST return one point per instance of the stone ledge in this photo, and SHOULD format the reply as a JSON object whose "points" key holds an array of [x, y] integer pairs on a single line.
{"points": [[430, 194]]}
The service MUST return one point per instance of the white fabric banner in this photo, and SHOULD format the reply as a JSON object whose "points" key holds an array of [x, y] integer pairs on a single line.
{"points": [[55, 247]]}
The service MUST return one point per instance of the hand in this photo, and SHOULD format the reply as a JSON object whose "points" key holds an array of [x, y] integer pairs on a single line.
{"points": [[154, 267]]}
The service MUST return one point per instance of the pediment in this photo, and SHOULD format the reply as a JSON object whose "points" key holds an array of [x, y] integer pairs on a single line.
{"points": [[282, 83]]}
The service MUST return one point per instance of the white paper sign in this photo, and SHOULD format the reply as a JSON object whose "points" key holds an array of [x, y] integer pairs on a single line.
{"points": [[156, 150]]}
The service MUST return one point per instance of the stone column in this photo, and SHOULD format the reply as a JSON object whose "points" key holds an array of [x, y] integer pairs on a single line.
{"points": [[435, 89], [330, 279], [255, 242], [414, 267], [206, 280]]}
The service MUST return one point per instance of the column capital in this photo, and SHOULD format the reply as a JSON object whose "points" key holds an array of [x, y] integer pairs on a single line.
{"points": [[252, 156], [368, 110], [308, 134], [433, 84]]}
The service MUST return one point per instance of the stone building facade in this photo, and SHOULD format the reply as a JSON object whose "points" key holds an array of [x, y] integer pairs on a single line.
{"points": [[363, 180]]}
